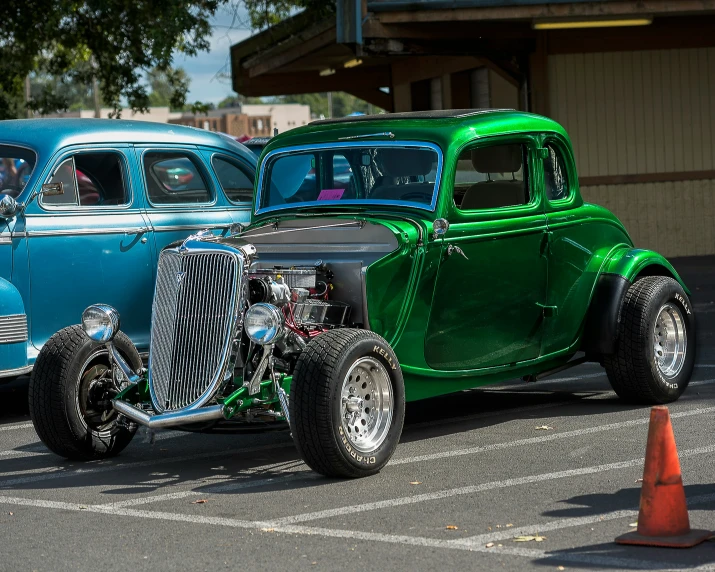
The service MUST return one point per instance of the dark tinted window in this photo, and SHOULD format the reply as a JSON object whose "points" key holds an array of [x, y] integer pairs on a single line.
{"points": [[234, 180], [555, 181], [174, 178], [90, 179], [491, 177]]}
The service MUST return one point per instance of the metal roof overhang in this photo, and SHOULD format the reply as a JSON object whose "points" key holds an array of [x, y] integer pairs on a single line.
{"points": [[288, 57]]}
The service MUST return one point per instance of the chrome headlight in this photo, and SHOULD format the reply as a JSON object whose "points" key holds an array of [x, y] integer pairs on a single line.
{"points": [[100, 322], [264, 324]]}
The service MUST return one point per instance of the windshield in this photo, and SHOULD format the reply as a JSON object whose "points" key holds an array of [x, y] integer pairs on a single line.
{"points": [[389, 173], [16, 165]]}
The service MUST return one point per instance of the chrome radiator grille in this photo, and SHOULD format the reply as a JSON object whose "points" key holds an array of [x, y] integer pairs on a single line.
{"points": [[13, 329], [192, 320]]}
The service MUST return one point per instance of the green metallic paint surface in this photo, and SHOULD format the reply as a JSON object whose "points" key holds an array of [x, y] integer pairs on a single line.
{"points": [[517, 306]]}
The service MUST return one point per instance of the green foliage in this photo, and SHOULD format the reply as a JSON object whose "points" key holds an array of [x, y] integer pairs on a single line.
{"points": [[116, 41], [264, 13]]}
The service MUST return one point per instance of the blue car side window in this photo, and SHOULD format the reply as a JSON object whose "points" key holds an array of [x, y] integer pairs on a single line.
{"points": [[90, 179], [174, 178]]}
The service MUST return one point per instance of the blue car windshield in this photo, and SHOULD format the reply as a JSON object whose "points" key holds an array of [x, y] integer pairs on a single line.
{"points": [[16, 165], [404, 174]]}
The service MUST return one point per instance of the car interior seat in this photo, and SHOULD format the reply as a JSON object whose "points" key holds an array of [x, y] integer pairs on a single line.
{"points": [[492, 194], [403, 164]]}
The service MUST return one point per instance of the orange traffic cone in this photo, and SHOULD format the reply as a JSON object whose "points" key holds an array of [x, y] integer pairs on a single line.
{"points": [[663, 518]]}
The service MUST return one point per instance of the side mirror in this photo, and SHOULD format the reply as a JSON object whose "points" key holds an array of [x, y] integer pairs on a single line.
{"points": [[8, 206], [52, 189], [440, 228]]}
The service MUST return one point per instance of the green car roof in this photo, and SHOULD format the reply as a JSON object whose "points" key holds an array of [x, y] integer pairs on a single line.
{"points": [[443, 127]]}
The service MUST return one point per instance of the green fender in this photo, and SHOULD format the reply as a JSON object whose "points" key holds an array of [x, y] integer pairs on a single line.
{"points": [[633, 262], [619, 270]]}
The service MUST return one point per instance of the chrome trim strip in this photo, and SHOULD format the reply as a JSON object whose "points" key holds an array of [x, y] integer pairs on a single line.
{"points": [[164, 420], [87, 231], [5, 239], [14, 372], [352, 202], [190, 227]]}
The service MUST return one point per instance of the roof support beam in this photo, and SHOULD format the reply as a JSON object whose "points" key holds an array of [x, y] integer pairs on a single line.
{"points": [[570, 10], [375, 96]]}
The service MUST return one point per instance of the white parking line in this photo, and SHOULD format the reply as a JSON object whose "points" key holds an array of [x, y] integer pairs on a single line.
{"points": [[543, 438], [483, 539], [15, 426], [106, 466], [447, 493], [470, 544]]}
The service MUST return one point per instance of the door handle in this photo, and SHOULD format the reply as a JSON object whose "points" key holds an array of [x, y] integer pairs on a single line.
{"points": [[451, 249], [139, 230]]}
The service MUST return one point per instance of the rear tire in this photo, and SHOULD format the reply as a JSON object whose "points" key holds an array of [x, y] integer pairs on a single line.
{"points": [[347, 403], [70, 396], [655, 349]]}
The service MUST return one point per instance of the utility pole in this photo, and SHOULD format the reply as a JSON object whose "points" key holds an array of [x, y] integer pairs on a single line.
{"points": [[28, 94], [95, 91], [330, 105]]}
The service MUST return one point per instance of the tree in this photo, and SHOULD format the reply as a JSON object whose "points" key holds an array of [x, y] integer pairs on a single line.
{"points": [[264, 13], [114, 41]]}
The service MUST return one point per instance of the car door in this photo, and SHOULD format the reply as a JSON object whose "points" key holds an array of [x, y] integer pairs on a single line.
{"points": [[235, 178], [572, 245], [181, 197], [488, 303], [90, 244]]}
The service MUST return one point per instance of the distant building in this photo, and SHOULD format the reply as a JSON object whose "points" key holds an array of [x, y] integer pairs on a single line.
{"points": [[284, 116], [230, 120]]}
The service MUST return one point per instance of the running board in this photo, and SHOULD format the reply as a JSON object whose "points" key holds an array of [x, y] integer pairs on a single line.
{"points": [[547, 373]]}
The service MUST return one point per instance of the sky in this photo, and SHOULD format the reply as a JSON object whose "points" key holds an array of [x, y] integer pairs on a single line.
{"points": [[210, 72]]}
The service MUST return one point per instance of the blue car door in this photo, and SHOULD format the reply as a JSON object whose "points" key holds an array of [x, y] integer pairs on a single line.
{"points": [[90, 244], [235, 177], [181, 197]]}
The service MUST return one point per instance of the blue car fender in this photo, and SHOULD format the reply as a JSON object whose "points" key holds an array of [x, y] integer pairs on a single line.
{"points": [[13, 332]]}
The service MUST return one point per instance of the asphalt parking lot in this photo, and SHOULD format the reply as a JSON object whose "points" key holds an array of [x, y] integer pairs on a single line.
{"points": [[558, 460]]}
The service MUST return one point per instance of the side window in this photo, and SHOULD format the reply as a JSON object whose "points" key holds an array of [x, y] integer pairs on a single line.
{"points": [[555, 181], [91, 179], [174, 178], [64, 174], [491, 177], [235, 182]]}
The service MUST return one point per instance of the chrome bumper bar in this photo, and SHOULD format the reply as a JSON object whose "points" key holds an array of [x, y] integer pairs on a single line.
{"points": [[165, 420], [15, 372]]}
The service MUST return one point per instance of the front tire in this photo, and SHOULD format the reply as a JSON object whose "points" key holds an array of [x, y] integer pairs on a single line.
{"points": [[70, 396], [347, 403], [655, 349]]}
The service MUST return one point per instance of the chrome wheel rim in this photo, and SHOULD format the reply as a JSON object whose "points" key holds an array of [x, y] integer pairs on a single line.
{"points": [[366, 404], [670, 340]]}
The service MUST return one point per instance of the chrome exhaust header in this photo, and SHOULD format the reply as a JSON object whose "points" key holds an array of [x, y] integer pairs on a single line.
{"points": [[164, 420]]}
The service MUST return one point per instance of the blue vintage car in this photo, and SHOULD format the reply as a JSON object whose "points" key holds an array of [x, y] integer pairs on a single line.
{"points": [[86, 206]]}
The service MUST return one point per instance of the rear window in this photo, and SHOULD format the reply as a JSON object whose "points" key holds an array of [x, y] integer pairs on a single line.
{"points": [[16, 166], [174, 178]]}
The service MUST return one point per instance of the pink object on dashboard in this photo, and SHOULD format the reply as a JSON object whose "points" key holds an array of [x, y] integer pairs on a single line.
{"points": [[331, 194]]}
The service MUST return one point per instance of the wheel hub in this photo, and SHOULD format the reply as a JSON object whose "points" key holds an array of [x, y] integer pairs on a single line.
{"points": [[669, 340], [366, 404]]}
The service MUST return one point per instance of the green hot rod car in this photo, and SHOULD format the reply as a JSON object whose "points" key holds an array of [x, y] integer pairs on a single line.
{"points": [[389, 258]]}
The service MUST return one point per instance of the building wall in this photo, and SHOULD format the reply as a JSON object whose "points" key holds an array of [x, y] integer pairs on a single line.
{"points": [[284, 116], [643, 129], [231, 123]]}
